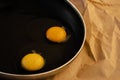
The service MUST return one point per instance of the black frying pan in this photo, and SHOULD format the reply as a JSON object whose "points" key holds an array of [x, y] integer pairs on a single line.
{"points": [[22, 29]]}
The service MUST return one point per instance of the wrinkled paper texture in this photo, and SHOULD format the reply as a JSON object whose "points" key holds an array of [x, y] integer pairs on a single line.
{"points": [[100, 56]]}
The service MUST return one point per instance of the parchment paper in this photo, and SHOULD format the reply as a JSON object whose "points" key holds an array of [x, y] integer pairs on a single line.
{"points": [[100, 56]]}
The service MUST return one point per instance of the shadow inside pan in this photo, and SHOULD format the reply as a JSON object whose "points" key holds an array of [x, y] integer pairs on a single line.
{"points": [[22, 29]]}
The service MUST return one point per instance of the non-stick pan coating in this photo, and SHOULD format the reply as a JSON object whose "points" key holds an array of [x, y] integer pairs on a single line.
{"points": [[22, 29]]}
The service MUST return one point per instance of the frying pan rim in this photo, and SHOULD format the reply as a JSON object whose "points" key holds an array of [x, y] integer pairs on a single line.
{"points": [[56, 69]]}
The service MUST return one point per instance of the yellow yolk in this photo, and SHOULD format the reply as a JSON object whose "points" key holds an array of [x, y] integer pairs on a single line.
{"points": [[32, 62], [56, 34]]}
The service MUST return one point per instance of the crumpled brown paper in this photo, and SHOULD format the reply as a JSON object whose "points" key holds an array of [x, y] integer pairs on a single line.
{"points": [[100, 56]]}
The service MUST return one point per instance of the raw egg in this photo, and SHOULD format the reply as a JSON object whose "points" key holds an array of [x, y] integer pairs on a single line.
{"points": [[32, 62], [56, 34]]}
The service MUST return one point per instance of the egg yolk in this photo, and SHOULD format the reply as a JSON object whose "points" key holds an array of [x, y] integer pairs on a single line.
{"points": [[56, 34], [32, 62]]}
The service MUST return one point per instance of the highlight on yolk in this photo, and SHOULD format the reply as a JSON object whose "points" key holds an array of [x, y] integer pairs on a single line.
{"points": [[56, 34], [32, 62]]}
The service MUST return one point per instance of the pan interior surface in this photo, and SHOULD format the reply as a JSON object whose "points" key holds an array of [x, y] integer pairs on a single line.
{"points": [[22, 29]]}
